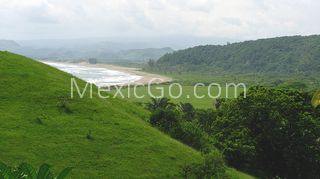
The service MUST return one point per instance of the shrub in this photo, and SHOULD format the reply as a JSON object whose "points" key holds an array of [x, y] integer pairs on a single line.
{"points": [[212, 166], [191, 134], [165, 119]]}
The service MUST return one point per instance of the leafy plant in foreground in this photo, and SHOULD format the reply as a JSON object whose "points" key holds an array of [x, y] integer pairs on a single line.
{"points": [[26, 171], [316, 99]]}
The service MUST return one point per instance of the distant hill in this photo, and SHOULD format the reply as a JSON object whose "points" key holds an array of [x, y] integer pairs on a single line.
{"points": [[286, 55], [67, 51], [99, 138], [143, 54], [8, 44]]}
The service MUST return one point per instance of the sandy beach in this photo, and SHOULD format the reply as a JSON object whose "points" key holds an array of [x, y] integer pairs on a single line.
{"points": [[146, 77]]}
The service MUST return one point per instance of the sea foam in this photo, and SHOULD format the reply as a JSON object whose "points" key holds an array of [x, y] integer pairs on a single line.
{"points": [[96, 75]]}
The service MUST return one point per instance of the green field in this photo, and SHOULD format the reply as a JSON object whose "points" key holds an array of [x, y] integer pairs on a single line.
{"points": [[292, 81], [108, 138], [199, 96]]}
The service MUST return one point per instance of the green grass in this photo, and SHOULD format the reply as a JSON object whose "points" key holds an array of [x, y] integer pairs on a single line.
{"points": [[189, 94], [249, 79], [123, 145], [109, 138], [235, 174]]}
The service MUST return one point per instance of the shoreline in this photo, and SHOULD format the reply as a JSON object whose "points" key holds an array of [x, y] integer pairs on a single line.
{"points": [[145, 76]]}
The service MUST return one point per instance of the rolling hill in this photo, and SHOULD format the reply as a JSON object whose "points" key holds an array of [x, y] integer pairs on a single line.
{"points": [[99, 138], [281, 55]]}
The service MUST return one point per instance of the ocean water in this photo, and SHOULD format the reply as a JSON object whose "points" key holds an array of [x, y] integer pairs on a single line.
{"points": [[98, 76]]}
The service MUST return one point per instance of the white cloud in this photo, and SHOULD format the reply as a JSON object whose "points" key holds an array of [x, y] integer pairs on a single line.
{"points": [[36, 19]]}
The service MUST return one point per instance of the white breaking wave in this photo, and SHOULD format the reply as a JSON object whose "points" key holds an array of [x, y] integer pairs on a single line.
{"points": [[98, 76]]}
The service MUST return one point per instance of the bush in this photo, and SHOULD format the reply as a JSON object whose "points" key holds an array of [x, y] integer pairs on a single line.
{"points": [[212, 166], [165, 119], [191, 134]]}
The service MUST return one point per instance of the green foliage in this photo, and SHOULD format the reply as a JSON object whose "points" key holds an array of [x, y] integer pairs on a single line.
{"points": [[213, 166], [273, 132], [164, 119], [188, 110], [283, 61], [205, 119], [191, 134], [159, 103], [176, 121], [270, 132], [284, 55], [26, 171], [316, 99]]}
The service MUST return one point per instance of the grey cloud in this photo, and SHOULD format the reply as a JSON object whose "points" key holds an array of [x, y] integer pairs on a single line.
{"points": [[34, 19]]}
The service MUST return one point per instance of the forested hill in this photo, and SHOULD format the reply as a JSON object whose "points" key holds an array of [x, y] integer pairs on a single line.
{"points": [[287, 55]]}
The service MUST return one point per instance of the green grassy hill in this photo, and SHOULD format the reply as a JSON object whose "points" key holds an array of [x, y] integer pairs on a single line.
{"points": [[35, 128], [109, 138]]}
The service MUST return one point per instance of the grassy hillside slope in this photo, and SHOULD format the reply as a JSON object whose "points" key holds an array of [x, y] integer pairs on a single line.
{"points": [[40, 123]]}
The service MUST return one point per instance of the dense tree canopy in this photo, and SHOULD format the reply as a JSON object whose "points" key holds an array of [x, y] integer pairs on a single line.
{"points": [[287, 55], [273, 131]]}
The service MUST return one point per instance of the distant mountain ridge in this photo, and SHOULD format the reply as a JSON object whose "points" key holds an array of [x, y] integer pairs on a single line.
{"points": [[102, 51], [8, 44], [287, 55]]}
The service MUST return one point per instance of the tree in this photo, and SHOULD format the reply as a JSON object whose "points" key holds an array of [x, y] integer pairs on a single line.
{"points": [[151, 63], [188, 110], [271, 130], [159, 103], [165, 119], [206, 119]]}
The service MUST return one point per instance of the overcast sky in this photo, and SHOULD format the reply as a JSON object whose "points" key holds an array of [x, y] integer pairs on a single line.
{"points": [[142, 19]]}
